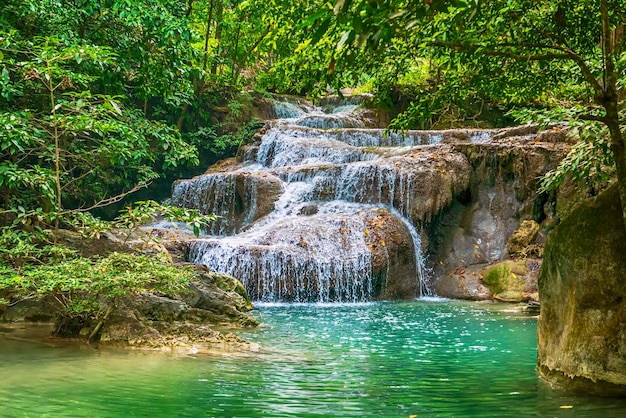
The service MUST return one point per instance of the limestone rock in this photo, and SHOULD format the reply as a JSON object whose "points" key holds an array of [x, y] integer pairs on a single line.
{"points": [[519, 243], [582, 285], [507, 281], [393, 256], [475, 227], [243, 196], [152, 320], [464, 190], [463, 283], [343, 252], [26, 311]]}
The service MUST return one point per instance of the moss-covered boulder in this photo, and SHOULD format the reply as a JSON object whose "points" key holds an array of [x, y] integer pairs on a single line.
{"points": [[508, 280], [582, 285], [152, 320]]}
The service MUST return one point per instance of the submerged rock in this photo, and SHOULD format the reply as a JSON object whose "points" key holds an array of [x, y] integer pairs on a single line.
{"points": [[582, 326]]}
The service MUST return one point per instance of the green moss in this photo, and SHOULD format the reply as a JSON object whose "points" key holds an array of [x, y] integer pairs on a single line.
{"points": [[496, 277]]}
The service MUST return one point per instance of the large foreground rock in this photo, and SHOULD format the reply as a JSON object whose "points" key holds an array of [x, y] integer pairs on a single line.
{"points": [[582, 285]]}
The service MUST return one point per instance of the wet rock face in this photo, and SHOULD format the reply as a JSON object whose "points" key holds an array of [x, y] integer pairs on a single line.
{"points": [[476, 227], [320, 170], [464, 283], [238, 198], [393, 256], [342, 252], [582, 285]]}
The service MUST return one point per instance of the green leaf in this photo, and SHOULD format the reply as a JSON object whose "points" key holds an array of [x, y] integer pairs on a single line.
{"points": [[321, 31]]}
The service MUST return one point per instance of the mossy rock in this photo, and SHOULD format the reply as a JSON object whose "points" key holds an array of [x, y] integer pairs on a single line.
{"points": [[507, 276], [522, 242], [234, 287]]}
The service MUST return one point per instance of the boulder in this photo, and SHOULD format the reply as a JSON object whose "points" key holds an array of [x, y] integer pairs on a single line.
{"points": [[582, 285], [513, 280], [342, 252], [521, 242], [153, 320], [239, 198], [393, 256], [463, 283], [508, 281]]}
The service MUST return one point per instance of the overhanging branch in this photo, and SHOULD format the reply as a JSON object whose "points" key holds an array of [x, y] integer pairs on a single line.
{"points": [[114, 199], [504, 50]]}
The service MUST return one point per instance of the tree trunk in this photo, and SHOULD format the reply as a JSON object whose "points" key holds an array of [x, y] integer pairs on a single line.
{"points": [[619, 155], [234, 59], [100, 323], [218, 35], [57, 151], [189, 8], [209, 22], [610, 100]]}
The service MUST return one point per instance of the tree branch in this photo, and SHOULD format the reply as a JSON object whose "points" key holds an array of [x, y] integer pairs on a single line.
{"points": [[565, 54], [75, 179], [595, 118], [114, 199]]}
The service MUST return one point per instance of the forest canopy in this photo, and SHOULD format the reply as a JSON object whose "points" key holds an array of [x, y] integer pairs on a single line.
{"points": [[98, 98]]}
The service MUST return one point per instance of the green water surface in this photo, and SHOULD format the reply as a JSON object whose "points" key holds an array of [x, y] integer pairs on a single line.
{"points": [[428, 359]]}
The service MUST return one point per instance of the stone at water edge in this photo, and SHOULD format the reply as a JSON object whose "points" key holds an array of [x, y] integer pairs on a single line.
{"points": [[582, 286], [510, 281], [463, 283], [152, 321]]}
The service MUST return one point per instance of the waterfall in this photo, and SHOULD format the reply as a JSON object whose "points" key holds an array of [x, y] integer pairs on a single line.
{"points": [[311, 214], [290, 257], [210, 194]]}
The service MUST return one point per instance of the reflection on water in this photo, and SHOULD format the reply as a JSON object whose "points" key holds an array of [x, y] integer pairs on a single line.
{"points": [[380, 359]]}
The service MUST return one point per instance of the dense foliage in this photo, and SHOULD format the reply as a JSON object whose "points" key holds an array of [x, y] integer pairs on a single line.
{"points": [[82, 291]]}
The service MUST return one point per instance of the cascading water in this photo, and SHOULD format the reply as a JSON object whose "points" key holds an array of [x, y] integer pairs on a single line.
{"points": [[314, 212]]}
